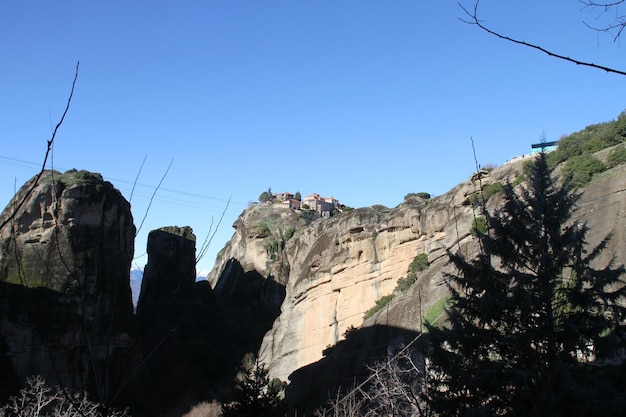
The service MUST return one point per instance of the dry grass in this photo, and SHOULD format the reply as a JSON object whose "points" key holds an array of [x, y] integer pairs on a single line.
{"points": [[204, 409]]}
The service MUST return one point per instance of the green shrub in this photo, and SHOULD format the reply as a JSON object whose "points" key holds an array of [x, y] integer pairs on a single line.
{"points": [[419, 264], [289, 233], [380, 304], [595, 144], [272, 249], [589, 140], [581, 169], [620, 127], [487, 191], [616, 157], [266, 196], [260, 230], [491, 189], [423, 195], [569, 147], [405, 283], [479, 226]]}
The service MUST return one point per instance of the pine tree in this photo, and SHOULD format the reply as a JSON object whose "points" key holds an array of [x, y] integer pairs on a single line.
{"points": [[532, 325], [255, 394]]}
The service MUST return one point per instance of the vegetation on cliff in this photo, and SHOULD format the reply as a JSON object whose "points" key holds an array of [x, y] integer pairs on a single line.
{"points": [[484, 195], [536, 321], [534, 333], [422, 195], [583, 375], [577, 150], [417, 265]]}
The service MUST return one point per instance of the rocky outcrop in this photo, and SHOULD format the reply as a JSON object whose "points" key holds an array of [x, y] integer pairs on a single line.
{"points": [[168, 278], [167, 311], [195, 337], [66, 308], [335, 269], [340, 267]]}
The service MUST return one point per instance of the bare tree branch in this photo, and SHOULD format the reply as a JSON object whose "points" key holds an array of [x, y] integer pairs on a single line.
{"points": [[209, 237], [130, 199], [474, 20], [615, 29], [152, 197], [37, 399], [19, 204]]}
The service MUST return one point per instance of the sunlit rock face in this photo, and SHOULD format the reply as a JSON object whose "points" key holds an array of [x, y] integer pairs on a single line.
{"points": [[334, 269], [66, 247]]}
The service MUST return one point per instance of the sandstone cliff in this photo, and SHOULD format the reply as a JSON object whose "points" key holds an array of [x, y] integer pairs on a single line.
{"points": [[334, 269], [289, 285], [66, 309]]}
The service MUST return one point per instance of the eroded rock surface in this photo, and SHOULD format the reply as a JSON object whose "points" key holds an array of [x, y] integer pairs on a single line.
{"points": [[66, 310], [334, 269]]}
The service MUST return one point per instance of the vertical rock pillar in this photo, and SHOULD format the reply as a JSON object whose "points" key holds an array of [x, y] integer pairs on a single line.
{"points": [[66, 312]]}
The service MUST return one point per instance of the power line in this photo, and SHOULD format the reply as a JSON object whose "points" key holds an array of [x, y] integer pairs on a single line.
{"points": [[33, 167]]}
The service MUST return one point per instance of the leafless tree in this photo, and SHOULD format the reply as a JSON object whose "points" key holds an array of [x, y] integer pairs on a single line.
{"points": [[33, 400], [394, 388], [37, 399], [472, 17]]}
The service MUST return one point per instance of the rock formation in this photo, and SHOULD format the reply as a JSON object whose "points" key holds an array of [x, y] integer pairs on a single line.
{"points": [[194, 337], [334, 269], [66, 309], [165, 309], [168, 277], [289, 286]]}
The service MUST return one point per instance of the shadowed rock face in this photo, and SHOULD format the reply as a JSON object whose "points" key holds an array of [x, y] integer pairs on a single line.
{"points": [[169, 275], [165, 310], [66, 308], [194, 337]]}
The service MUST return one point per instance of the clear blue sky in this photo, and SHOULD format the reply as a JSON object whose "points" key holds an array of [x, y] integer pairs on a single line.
{"points": [[364, 100]]}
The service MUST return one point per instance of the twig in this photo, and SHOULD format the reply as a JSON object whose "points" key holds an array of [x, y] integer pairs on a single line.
{"points": [[209, 237], [132, 191], [152, 198], [45, 159], [621, 20], [474, 20]]}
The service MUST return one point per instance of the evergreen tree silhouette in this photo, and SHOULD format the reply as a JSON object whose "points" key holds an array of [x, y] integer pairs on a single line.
{"points": [[255, 394], [534, 329]]}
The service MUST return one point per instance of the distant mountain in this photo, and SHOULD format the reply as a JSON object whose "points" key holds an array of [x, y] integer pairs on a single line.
{"points": [[136, 275]]}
